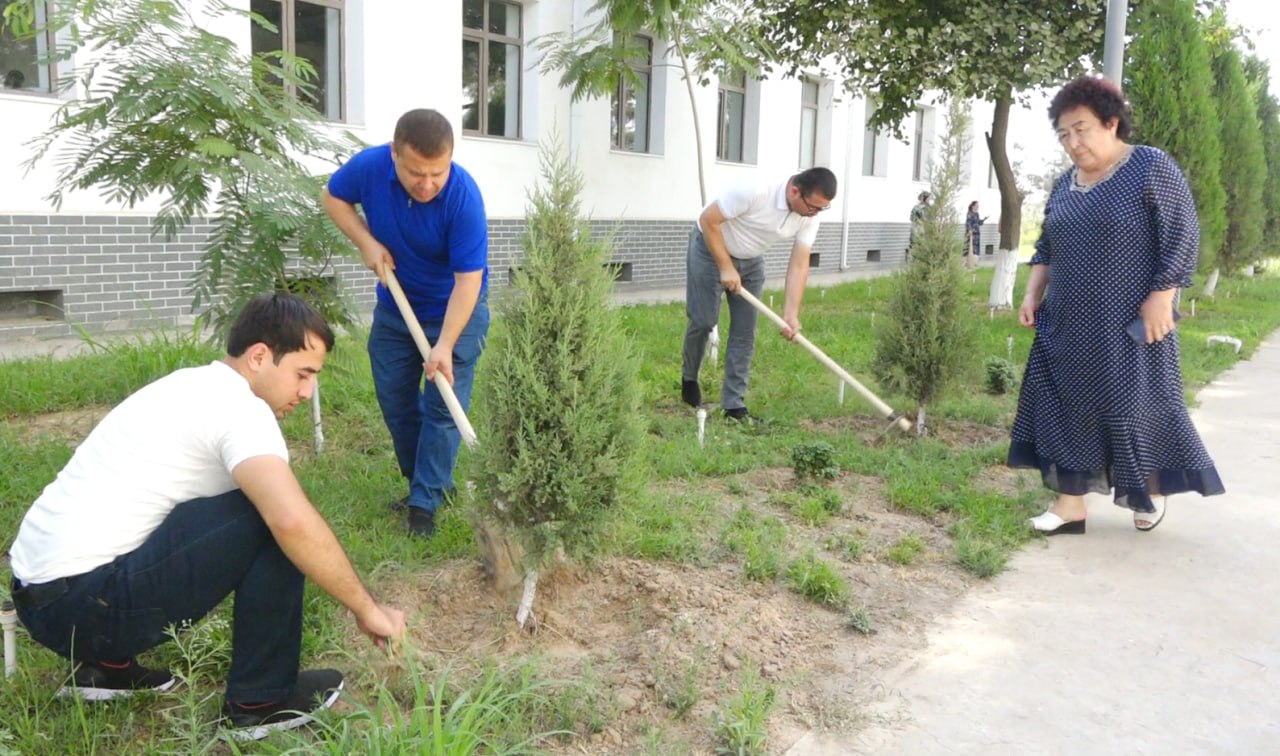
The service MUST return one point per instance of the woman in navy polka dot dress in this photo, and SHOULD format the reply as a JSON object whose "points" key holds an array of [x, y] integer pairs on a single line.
{"points": [[1101, 407]]}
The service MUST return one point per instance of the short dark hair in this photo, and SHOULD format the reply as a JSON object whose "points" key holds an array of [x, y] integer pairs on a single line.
{"points": [[971, 204], [281, 321], [426, 131], [818, 179], [922, 197], [1100, 95]]}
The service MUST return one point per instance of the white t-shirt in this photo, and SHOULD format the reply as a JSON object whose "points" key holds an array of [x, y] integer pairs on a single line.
{"points": [[757, 217], [174, 440]]}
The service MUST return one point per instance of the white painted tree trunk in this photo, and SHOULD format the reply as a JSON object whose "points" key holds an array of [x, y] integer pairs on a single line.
{"points": [[920, 429], [1211, 285], [316, 423], [1002, 281]]}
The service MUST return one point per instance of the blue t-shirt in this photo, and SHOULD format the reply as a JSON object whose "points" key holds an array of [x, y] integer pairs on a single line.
{"points": [[430, 241]]}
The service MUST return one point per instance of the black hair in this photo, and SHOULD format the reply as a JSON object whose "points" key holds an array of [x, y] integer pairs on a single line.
{"points": [[281, 321], [426, 131], [820, 180], [971, 204], [1100, 95]]}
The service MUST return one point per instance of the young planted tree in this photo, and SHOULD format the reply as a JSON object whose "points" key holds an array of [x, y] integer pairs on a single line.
{"points": [[927, 339], [560, 423], [172, 111], [1169, 83], [1244, 166], [706, 37]]}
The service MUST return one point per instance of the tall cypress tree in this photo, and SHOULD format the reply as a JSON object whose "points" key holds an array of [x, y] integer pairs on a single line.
{"points": [[1169, 83], [559, 425], [1259, 75], [1244, 166]]}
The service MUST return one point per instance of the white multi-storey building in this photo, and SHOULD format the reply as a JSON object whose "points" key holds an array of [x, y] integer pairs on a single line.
{"points": [[95, 263]]}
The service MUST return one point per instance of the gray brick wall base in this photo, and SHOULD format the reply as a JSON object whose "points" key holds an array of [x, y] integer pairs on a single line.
{"points": [[108, 273]]}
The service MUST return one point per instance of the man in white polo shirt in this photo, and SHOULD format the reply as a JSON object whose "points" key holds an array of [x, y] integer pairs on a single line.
{"points": [[726, 253], [183, 495]]}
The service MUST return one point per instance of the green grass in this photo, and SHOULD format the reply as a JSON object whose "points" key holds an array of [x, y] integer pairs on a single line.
{"points": [[740, 724], [907, 550], [817, 580], [760, 541], [689, 513]]}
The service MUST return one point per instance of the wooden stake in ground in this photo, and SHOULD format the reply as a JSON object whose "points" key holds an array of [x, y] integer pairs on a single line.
{"points": [[840, 372], [442, 384]]}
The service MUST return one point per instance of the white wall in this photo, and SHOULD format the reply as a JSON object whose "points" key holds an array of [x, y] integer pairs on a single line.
{"points": [[403, 54]]}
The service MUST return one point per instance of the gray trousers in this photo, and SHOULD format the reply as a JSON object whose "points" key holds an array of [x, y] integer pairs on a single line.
{"points": [[703, 293]]}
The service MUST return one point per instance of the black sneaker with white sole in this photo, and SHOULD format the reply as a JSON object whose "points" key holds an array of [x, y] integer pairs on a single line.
{"points": [[316, 690], [105, 681]]}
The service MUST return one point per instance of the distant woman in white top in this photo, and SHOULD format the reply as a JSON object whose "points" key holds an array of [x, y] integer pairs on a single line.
{"points": [[726, 253]]}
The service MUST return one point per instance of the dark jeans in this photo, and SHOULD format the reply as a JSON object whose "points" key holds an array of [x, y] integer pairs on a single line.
{"points": [[422, 430], [202, 552], [703, 294]]}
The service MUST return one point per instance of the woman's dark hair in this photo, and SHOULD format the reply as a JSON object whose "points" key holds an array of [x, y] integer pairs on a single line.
{"points": [[281, 321], [820, 180], [972, 205], [1101, 96], [426, 131]]}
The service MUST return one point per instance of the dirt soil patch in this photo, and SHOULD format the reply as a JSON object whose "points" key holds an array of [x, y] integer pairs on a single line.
{"points": [[652, 635]]}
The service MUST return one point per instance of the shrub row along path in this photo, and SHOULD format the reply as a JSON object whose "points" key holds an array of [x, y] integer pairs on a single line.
{"points": [[1117, 641]]}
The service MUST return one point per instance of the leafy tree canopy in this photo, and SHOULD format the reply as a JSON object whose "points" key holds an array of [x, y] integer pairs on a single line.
{"points": [[968, 48]]}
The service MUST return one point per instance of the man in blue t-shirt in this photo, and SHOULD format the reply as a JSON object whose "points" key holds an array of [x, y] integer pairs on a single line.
{"points": [[424, 219]]}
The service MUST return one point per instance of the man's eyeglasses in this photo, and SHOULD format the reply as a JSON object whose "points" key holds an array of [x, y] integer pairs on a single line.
{"points": [[812, 207]]}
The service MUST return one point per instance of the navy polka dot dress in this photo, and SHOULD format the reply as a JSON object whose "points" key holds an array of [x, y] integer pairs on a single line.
{"points": [[1099, 411]]}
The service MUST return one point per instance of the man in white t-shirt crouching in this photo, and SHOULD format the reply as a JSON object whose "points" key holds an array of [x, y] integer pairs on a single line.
{"points": [[182, 495], [726, 253]]}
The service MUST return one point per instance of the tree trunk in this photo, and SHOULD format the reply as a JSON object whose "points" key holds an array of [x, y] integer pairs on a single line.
{"points": [[693, 108], [501, 555], [1211, 285], [1002, 283], [921, 432]]}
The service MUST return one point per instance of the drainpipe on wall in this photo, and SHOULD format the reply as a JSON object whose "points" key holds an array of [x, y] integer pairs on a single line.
{"points": [[848, 186]]}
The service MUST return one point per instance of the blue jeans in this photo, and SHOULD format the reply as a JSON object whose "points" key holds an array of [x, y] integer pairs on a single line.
{"points": [[422, 431], [703, 294], [202, 552]]}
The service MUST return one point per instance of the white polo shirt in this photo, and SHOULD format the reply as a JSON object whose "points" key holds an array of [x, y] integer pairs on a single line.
{"points": [[173, 440], [757, 217]]}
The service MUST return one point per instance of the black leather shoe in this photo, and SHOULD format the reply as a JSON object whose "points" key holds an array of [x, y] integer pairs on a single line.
{"points": [[422, 522], [741, 415], [691, 393]]}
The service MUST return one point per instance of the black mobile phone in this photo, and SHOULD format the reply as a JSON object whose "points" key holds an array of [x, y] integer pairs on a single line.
{"points": [[1137, 330]]}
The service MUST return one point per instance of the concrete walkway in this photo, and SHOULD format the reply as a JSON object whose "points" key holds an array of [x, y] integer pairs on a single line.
{"points": [[1118, 642]]}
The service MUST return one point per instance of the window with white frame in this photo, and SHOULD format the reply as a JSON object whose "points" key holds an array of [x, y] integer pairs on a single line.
{"points": [[809, 90], [311, 30], [631, 112], [492, 47], [731, 123], [875, 146], [24, 62]]}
